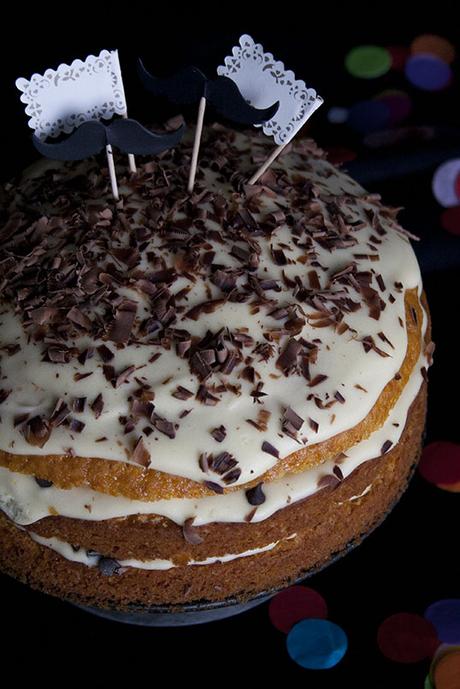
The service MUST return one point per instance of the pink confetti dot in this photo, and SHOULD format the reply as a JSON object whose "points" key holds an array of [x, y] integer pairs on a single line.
{"points": [[294, 604], [440, 463], [450, 220], [407, 638]]}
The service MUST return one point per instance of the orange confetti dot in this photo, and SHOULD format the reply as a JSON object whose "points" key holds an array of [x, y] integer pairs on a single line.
{"points": [[446, 672], [434, 45]]}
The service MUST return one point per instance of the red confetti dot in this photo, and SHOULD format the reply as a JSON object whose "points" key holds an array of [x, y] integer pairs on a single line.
{"points": [[340, 154], [399, 55], [294, 604], [450, 220], [457, 186], [440, 463], [407, 638]]}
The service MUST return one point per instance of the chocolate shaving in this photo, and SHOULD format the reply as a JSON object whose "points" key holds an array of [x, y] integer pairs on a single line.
{"points": [[125, 315], [37, 431], [97, 406], [386, 446], [215, 487], [190, 532], [270, 449], [219, 434], [43, 482], [182, 393], [165, 427], [140, 454], [108, 566], [256, 496], [288, 359], [4, 394], [59, 414]]}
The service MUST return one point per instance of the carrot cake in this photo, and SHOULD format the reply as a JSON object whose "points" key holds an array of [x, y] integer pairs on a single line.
{"points": [[202, 396]]}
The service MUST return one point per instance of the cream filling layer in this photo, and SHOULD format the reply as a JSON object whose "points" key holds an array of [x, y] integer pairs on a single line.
{"points": [[92, 560], [25, 502]]}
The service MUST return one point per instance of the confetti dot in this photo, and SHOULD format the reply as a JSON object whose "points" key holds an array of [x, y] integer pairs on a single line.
{"points": [[294, 604], [428, 72], [440, 463], [337, 115], [316, 644], [339, 154], [450, 220], [398, 55], [444, 615], [368, 61], [427, 683], [434, 45], [446, 672], [368, 116], [445, 183], [451, 488], [406, 638], [457, 186], [398, 103]]}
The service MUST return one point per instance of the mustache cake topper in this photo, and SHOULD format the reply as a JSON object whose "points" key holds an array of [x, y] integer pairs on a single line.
{"points": [[75, 99], [129, 136], [261, 79], [190, 85]]}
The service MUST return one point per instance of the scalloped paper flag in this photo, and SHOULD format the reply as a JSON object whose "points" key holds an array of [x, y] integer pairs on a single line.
{"points": [[263, 80]]}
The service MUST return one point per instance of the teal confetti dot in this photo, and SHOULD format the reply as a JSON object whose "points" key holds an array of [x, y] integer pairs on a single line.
{"points": [[316, 644]]}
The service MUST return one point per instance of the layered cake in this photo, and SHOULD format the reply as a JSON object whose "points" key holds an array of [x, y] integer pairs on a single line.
{"points": [[204, 396]]}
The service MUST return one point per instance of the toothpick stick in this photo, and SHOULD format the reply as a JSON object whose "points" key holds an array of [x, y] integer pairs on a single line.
{"points": [[113, 176], [131, 158], [267, 163], [196, 144]]}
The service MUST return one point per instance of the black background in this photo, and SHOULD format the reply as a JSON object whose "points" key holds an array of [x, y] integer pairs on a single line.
{"points": [[412, 560]]}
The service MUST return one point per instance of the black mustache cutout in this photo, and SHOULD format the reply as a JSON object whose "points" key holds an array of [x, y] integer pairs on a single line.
{"points": [[129, 136], [190, 84]]}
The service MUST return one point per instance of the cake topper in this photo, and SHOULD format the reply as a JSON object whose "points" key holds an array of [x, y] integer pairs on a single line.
{"points": [[262, 80], [190, 85], [74, 99], [92, 136]]}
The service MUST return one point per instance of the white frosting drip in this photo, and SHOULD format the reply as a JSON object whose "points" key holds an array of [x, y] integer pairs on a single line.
{"points": [[25, 502], [36, 385], [81, 556]]}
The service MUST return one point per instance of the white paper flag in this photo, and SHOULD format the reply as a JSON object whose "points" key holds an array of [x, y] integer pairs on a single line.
{"points": [[263, 80], [60, 100]]}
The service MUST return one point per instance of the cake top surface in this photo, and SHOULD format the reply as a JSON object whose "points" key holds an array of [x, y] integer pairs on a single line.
{"points": [[203, 336]]}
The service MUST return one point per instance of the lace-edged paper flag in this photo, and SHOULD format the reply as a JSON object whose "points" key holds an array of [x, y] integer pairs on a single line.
{"points": [[263, 80], [74, 100], [61, 99]]}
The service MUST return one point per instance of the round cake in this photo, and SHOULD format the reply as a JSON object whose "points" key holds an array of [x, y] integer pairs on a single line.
{"points": [[202, 397]]}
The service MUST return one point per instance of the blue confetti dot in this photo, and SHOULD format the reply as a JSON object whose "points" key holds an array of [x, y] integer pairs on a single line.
{"points": [[337, 115], [369, 116], [428, 72], [444, 615], [316, 644]]}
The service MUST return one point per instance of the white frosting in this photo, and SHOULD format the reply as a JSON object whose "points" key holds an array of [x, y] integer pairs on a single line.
{"points": [[25, 502], [36, 385], [81, 556]]}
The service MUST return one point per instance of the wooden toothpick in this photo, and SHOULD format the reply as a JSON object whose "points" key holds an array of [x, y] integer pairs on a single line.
{"points": [[265, 165], [112, 173], [131, 158], [196, 144]]}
